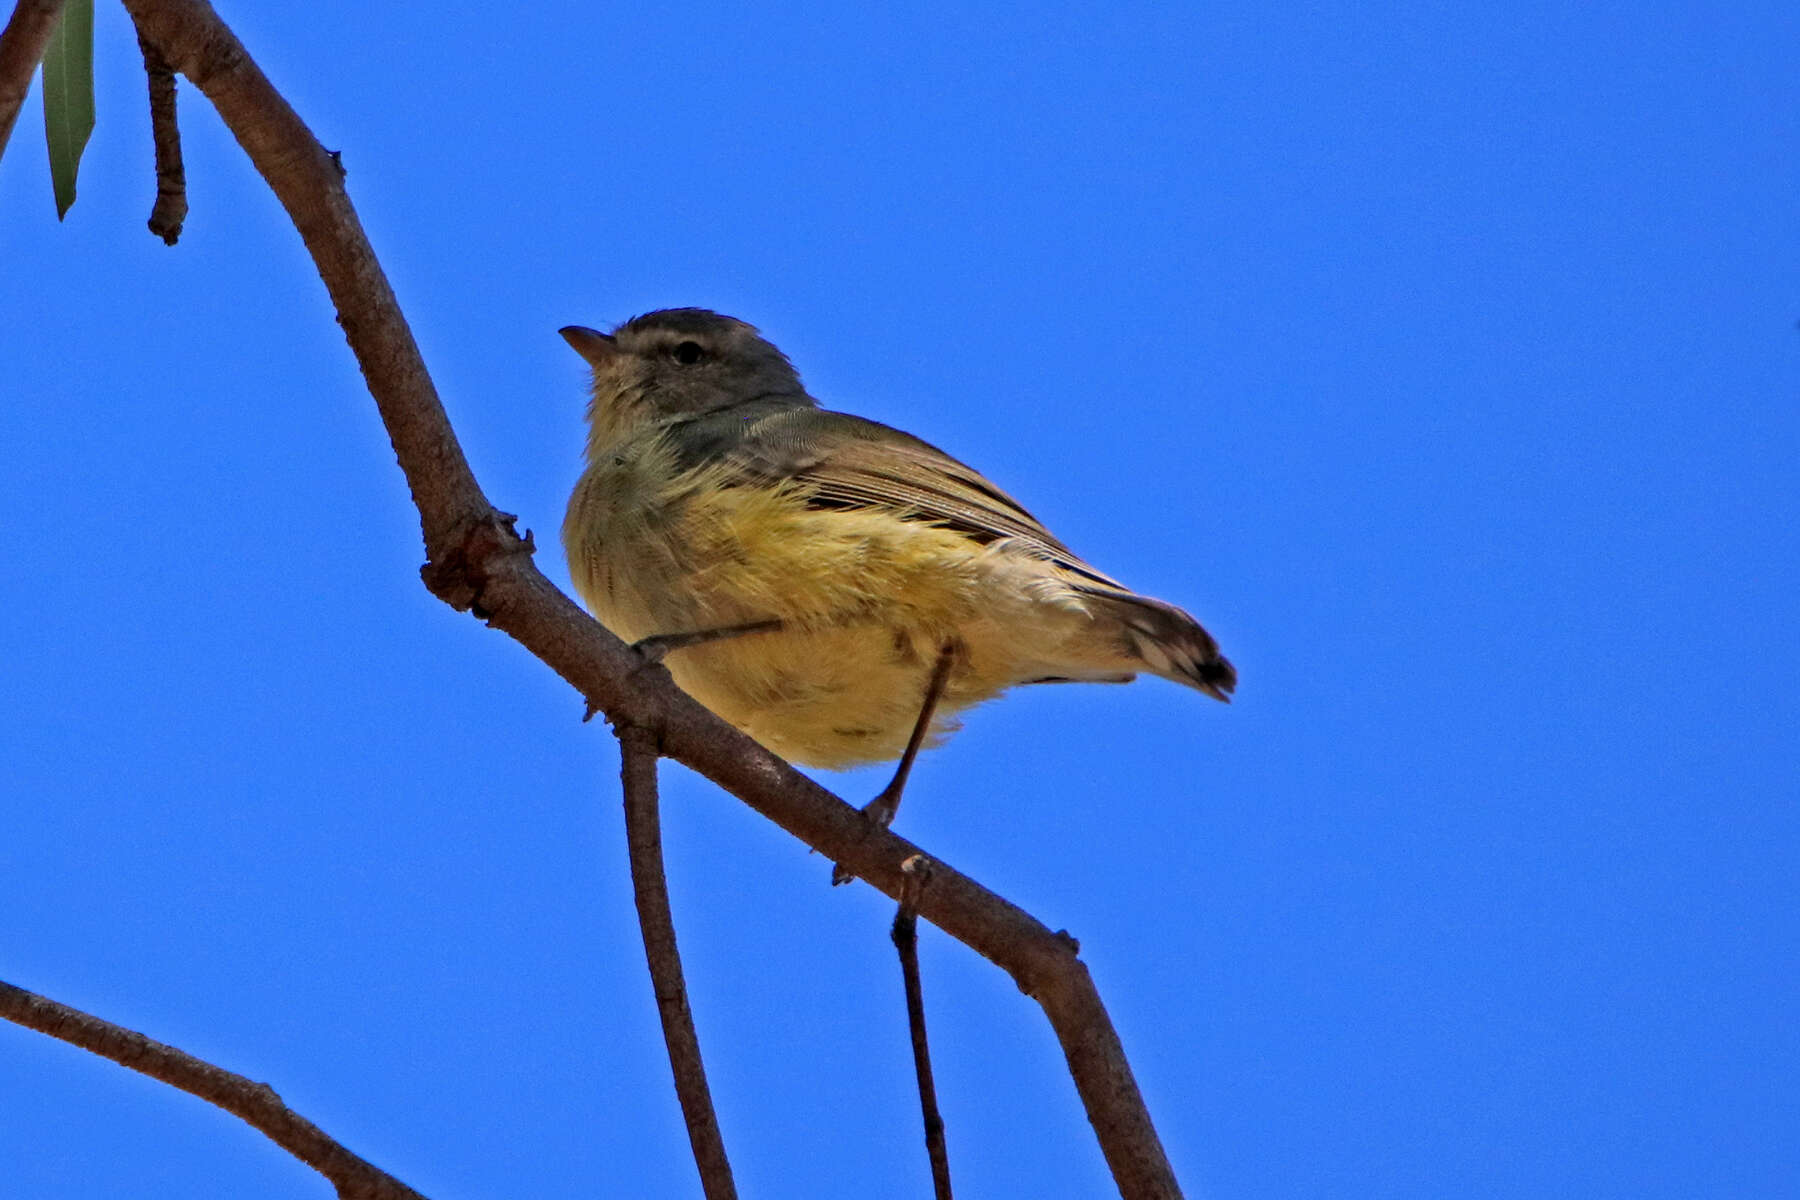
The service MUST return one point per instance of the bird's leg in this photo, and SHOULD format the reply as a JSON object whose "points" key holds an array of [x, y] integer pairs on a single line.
{"points": [[886, 803], [880, 811], [653, 649]]}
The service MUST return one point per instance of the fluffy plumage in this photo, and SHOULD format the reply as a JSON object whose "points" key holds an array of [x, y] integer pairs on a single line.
{"points": [[718, 493]]}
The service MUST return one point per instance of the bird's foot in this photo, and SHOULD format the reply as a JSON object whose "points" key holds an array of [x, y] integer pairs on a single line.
{"points": [[879, 813]]}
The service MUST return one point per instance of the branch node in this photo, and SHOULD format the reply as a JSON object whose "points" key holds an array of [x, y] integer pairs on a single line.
{"points": [[470, 558], [639, 737], [1048, 966], [473, 565]]}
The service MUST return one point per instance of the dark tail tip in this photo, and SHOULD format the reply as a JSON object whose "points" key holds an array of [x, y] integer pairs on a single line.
{"points": [[1170, 642], [1217, 678]]}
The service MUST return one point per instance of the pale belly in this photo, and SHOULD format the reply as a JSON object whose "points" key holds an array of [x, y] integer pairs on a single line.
{"points": [[826, 697]]}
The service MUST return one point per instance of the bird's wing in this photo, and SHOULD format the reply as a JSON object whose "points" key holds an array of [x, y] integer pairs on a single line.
{"points": [[842, 462]]}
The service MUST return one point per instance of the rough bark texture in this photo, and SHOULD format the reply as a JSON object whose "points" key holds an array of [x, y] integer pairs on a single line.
{"points": [[476, 562]]}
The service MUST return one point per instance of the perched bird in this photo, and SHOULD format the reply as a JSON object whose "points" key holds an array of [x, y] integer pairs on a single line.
{"points": [[833, 587]]}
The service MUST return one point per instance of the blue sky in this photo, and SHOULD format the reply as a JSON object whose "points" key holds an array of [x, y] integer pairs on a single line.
{"points": [[1444, 363]]}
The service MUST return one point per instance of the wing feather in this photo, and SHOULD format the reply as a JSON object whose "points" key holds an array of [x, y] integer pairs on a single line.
{"points": [[841, 461], [845, 461]]}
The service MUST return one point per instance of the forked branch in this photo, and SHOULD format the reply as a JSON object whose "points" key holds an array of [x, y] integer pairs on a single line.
{"points": [[476, 562]]}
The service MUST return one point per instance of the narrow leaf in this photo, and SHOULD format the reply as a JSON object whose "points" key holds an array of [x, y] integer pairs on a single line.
{"points": [[69, 97]]}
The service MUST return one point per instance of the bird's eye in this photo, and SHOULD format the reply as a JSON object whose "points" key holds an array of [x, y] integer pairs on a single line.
{"points": [[688, 353]]}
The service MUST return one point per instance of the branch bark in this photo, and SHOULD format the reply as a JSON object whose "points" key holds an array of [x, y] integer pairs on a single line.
{"points": [[22, 45], [476, 562], [906, 941], [255, 1103], [171, 206], [643, 834]]}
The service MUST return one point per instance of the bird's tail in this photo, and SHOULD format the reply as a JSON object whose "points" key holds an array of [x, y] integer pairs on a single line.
{"points": [[1166, 640]]}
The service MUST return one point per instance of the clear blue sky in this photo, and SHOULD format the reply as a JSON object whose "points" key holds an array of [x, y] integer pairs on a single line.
{"points": [[1445, 364]]}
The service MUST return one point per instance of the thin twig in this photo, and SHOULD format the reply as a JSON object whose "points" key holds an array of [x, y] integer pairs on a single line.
{"points": [[171, 206], [22, 45], [643, 835], [906, 940], [309, 183], [477, 563], [256, 1103]]}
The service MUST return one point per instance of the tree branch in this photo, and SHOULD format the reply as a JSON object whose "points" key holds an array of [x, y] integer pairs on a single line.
{"points": [[171, 206], [255, 1103], [477, 562], [309, 183], [22, 45], [643, 834], [906, 941]]}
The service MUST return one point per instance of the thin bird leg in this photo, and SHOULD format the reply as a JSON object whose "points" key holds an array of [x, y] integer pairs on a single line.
{"points": [[886, 803], [656, 646], [880, 811]]}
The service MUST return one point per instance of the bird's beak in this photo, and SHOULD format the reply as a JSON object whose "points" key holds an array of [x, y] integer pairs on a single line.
{"points": [[596, 347]]}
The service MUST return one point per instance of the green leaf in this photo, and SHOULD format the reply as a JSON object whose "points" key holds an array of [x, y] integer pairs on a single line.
{"points": [[69, 97]]}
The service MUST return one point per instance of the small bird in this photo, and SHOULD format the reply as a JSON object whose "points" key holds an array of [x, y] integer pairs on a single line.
{"points": [[833, 587]]}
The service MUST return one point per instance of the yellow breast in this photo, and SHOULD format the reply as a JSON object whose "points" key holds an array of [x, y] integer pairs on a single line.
{"points": [[866, 599]]}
